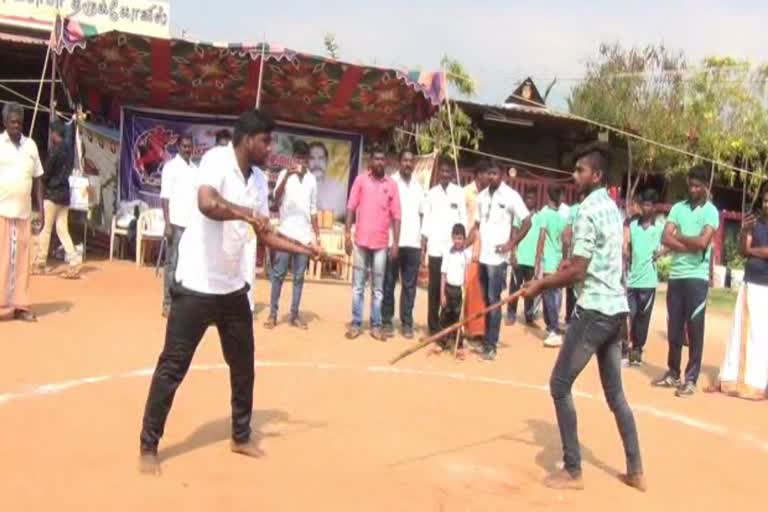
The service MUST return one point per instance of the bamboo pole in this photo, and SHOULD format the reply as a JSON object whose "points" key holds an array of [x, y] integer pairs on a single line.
{"points": [[261, 72]]}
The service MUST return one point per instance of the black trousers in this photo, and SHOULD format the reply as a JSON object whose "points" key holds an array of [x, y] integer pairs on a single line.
{"points": [[686, 311], [405, 269], [641, 302], [521, 274], [451, 313], [191, 314], [433, 295]]}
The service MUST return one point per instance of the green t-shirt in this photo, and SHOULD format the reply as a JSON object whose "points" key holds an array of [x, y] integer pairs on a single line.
{"points": [[691, 222], [526, 249], [553, 225], [644, 243], [573, 213]]}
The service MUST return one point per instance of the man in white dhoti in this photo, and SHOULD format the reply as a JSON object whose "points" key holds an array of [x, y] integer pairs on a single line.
{"points": [[744, 372]]}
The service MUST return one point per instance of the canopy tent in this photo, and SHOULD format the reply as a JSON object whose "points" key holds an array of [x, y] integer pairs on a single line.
{"points": [[116, 68]]}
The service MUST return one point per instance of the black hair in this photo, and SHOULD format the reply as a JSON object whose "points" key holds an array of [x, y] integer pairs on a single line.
{"points": [[495, 165], [531, 191], [459, 230], [222, 135], [699, 173], [318, 144], [649, 196], [377, 148], [403, 153], [250, 123], [555, 193], [300, 149], [598, 154], [444, 160], [59, 128], [482, 166], [185, 137]]}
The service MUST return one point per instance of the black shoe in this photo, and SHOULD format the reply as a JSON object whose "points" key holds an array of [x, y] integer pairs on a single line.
{"points": [[489, 354], [686, 390], [636, 357], [667, 381]]}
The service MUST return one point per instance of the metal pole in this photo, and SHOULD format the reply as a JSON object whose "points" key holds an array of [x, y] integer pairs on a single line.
{"points": [[261, 72]]}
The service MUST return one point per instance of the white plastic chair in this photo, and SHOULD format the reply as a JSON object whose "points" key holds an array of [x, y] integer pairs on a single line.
{"points": [[149, 228], [115, 232]]}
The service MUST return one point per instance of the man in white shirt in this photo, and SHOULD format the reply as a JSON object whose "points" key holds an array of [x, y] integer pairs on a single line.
{"points": [[497, 207], [178, 193], [210, 288], [444, 207], [296, 197], [406, 266], [20, 181]]}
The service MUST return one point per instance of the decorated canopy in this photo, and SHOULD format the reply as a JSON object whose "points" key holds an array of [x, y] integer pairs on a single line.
{"points": [[116, 68]]}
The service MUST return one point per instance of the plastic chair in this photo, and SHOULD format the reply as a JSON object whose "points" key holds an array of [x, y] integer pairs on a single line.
{"points": [[117, 232], [149, 228]]}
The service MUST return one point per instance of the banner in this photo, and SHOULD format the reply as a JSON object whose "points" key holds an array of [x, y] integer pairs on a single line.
{"points": [[101, 148], [144, 17], [149, 138]]}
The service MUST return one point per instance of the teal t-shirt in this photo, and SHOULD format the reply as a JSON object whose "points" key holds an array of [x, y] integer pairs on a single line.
{"points": [[691, 222], [526, 249], [553, 225], [573, 213], [644, 243]]}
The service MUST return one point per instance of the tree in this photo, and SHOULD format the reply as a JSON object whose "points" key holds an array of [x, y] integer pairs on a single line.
{"points": [[331, 46], [642, 91]]}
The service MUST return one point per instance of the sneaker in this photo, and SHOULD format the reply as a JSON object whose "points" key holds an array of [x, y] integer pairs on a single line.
{"points": [[489, 354], [636, 357], [686, 390], [554, 340], [667, 381]]}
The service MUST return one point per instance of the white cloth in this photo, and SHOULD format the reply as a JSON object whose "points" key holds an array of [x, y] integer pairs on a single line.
{"points": [[212, 253], [443, 209], [332, 195], [495, 214], [298, 206], [748, 342], [19, 165], [454, 266], [179, 186], [262, 208], [411, 210]]}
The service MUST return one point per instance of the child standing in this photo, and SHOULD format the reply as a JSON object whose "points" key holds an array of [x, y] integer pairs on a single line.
{"points": [[452, 270]]}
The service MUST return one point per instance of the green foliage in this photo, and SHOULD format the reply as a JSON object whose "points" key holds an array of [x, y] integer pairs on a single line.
{"points": [[733, 257], [663, 266]]}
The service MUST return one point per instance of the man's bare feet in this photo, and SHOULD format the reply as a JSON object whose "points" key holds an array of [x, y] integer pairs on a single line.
{"points": [[564, 481], [637, 481], [149, 464], [249, 449]]}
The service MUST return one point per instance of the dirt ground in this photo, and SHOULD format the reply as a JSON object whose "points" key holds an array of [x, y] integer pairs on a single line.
{"points": [[340, 429]]}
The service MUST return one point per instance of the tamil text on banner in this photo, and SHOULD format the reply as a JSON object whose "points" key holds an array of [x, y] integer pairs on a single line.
{"points": [[149, 139], [144, 17]]}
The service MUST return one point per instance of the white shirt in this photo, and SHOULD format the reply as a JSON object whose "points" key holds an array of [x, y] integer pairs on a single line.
{"points": [[495, 214], [212, 253], [411, 209], [454, 265], [298, 205], [179, 187], [443, 209], [19, 165]]}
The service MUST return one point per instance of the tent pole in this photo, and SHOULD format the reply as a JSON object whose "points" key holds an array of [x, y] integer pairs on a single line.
{"points": [[40, 89], [52, 113], [261, 72]]}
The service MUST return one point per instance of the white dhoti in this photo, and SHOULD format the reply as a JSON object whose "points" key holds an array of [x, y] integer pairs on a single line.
{"points": [[744, 372]]}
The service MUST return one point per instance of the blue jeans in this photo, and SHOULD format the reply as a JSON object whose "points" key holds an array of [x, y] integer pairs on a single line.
{"points": [[592, 333], [406, 266], [494, 279], [552, 301], [280, 261], [367, 261]]}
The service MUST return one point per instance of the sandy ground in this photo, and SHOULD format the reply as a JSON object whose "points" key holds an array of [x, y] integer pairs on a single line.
{"points": [[340, 430]]}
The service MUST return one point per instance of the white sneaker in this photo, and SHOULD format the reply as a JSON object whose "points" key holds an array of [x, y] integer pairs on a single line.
{"points": [[554, 340]]}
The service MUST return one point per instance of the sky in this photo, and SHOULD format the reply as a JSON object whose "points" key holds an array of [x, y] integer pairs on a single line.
{"points": [[499, 42]]}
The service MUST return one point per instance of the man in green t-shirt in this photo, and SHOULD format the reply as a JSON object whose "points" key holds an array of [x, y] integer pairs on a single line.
{"points": [[643, 251], [688, 234], [524, 261], [549, 254]]}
